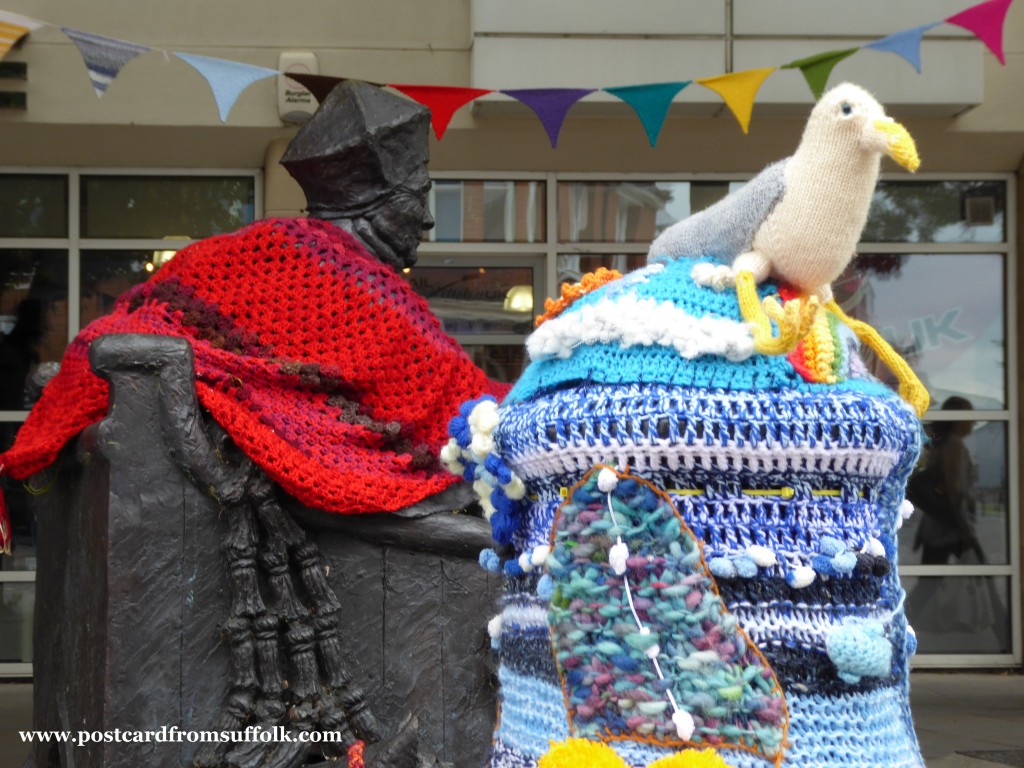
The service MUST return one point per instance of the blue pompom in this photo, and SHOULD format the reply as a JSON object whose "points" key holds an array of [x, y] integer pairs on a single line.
{"points": [[823, 565], [746, 568], [513, 568], [490, 561], [469, 473], [844, 562], [860, 650], [830, 546], [911, 643], [722, 567], [503, 503], [458, 428], [502, 528], [497, 467], [545, 587]]}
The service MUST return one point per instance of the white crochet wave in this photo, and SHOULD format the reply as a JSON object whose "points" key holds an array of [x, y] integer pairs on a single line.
{"points": [[631, 321]]}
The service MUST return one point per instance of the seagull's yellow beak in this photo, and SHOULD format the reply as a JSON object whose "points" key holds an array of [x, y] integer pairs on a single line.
{"points": [[899, 144]]}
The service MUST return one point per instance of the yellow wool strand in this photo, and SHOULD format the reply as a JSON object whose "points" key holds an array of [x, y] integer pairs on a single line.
{"points": [[582, 753], [794, 319]]}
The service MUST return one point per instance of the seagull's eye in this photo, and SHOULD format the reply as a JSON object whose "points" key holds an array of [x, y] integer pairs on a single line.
{"points": [[846, 108]]}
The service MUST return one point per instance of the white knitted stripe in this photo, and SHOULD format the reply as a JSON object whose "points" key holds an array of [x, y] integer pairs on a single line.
{"points": [[630, 321], [760, 459], [807, 626], [525, 616]]}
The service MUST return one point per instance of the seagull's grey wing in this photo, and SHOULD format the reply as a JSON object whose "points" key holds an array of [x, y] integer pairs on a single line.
{"points": [[726, 229]]}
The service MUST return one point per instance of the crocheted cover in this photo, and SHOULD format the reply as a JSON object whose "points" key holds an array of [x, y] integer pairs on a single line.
{"points": [[794, 488], [318, 360]]}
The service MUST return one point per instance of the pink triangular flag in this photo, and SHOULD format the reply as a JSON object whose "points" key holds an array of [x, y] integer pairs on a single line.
{"points": [[985, 21]]}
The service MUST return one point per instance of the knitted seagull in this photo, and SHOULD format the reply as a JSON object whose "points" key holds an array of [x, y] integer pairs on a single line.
{"points": [[799, 220]]}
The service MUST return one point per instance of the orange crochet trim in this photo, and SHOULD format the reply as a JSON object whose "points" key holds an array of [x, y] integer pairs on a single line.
{"points": [[355, 755], [571, 292]]}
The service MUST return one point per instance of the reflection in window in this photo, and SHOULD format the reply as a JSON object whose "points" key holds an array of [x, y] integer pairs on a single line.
{"points": [[631, 211], [165, 206], [501, 362], [960, 494], [17, 603], [108, 274], [572, 266], [959, 614], [937, 212], [944, 313], [34, 321], [477, 299], [488, 211], [33, 205]]}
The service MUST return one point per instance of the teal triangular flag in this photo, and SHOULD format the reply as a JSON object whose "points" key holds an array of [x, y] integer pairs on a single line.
{"points": [[906, 43], [650, 102], [227, 79]]}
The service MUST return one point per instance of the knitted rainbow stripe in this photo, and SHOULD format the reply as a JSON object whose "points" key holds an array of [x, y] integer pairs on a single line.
{"points": [[794, 489], [319, 361]]}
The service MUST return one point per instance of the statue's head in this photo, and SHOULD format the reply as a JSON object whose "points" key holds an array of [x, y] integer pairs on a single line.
{"points": [[362, 162]]}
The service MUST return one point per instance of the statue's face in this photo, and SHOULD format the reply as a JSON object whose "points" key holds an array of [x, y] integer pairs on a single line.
{"points": [[399, 224]]}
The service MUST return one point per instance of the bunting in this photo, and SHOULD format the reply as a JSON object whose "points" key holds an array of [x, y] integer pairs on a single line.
{"points": [[551, 105], [985, 21], [738, 90], [227, 79], [104, 58], [442, 100], [817, 69], [906, 44], [650, 102], [13, 27]]}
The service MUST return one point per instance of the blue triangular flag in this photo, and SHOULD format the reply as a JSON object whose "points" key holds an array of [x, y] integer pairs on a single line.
{"points": [[650, 102], [227, 79], [103, 56], [906, 43], [551, 105]]}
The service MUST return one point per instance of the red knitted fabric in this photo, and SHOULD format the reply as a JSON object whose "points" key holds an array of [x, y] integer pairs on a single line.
{"points": [[319, 361]]}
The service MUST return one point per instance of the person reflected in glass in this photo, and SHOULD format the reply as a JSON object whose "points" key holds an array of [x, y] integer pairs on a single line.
{"points": [[943, 491], [19, 354]]}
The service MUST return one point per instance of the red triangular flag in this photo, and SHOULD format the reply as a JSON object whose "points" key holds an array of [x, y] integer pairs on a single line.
{"points": [[985, 21], [443, 101]]}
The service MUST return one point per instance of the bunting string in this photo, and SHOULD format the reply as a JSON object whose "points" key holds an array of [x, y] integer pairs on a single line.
{"points": [[106, 57]]}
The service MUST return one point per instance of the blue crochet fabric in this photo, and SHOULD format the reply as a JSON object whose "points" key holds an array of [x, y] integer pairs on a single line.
{"points": [[794, 492]]}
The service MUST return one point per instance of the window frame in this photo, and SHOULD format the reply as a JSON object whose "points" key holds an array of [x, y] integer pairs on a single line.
{"points": [[74, 245]]}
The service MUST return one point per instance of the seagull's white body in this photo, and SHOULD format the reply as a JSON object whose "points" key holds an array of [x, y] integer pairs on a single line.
{"points": [[800, 219]]}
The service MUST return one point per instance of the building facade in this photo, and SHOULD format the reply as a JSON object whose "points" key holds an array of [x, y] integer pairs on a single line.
{"points": [[95, 193]]}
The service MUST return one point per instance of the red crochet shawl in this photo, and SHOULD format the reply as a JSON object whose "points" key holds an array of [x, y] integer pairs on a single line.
{"points": [[320, 362]]}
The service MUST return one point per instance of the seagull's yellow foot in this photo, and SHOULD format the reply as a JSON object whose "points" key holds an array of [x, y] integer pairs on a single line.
{"points": [[794, 318], [911, 388]]}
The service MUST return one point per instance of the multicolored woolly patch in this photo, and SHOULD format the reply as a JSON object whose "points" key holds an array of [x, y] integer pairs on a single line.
{"points": [[645, 647], [589, 283], [820, 357]]}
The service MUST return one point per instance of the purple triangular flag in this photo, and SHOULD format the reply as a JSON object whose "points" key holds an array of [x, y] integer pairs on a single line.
{"points": [[103, 56], [227, 79], [550, 104], [906, 43]]}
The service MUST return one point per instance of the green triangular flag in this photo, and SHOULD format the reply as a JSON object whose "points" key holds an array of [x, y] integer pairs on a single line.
{"points": [[650, 102], [816, 69]]}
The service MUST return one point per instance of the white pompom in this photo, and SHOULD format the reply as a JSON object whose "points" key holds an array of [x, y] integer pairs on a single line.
{"points": [[617, 557], [906, 509], [607, 480], [874, 547], [484, 417], [763, 556], [653, 651], [684, 724], [494, 627], [801, 577], [540, 555], [514, 488], [481, 445], [525, 562]]}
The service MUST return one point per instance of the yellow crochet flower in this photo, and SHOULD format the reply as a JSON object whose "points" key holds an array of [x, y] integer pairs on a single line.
{"points": [[581, 753]]}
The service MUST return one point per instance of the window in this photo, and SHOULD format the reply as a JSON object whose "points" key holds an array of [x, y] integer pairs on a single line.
{"points": [[70, 243]]}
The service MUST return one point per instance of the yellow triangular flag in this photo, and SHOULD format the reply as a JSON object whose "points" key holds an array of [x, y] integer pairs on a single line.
{"points": [[13, 27], [738, 89]]}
